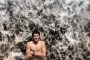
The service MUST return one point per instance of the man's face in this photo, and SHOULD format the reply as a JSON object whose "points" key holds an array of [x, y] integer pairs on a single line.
{"points": [[36, 37]]}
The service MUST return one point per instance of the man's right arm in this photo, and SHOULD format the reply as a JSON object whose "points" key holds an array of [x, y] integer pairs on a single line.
{"points": [[28, 52]]}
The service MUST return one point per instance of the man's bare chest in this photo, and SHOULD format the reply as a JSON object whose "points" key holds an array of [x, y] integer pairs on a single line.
{"points": [[36, 47]]}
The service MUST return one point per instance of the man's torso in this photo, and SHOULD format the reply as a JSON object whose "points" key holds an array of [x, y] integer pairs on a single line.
{"points": [[36, 47]]}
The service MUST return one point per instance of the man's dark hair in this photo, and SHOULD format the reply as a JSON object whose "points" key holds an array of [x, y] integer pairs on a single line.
{"points": [[35, 32]]}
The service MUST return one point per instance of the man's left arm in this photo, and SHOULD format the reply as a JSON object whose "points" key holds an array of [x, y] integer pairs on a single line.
{"points": [[43, 52]]}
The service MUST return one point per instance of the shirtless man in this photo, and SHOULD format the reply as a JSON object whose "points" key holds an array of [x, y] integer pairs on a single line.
{"points": [[36, 49]]}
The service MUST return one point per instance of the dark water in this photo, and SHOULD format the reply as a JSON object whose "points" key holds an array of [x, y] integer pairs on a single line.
{"points": [[64, 26]]}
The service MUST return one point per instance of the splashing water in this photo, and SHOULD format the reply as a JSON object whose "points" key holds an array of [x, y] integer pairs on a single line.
{"points": [[64, 26]]}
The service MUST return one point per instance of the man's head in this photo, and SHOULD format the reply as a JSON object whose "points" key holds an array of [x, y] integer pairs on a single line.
{"points": [[36, 35]]}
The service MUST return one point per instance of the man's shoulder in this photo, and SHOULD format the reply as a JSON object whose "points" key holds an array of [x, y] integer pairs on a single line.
{"points": [[42, 42]]}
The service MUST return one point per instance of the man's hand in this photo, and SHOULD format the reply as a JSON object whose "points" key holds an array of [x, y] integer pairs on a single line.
{"points": [[31, 52]]}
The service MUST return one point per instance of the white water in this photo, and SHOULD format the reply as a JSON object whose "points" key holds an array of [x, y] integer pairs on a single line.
{"points": [[66, 19]]}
